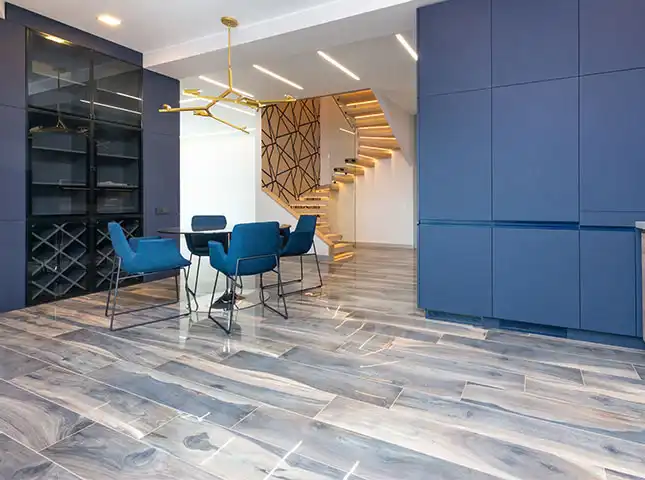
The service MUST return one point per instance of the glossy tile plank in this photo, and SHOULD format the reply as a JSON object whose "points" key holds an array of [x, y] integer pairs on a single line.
{"points": [[542, 355], [52, 351], [19, 462], [232, 456], [268, 388], [578, 445], [405, 349], [419, 372], [583, 397], [640, 370], [13, 364], [111, 346], [612, 475], [478, 452], [203, 402], [584, 349], [619, 387], [377, 460], [115, 408], [32, 321], [320, 379], [98, 453], [575, 416], [34, 421]]}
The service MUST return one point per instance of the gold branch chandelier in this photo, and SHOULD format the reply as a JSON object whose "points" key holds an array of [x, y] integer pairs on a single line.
{"points": [[230, 95]]}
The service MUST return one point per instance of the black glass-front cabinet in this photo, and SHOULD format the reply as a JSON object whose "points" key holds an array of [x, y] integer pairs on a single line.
{"points": [[84, 144]]}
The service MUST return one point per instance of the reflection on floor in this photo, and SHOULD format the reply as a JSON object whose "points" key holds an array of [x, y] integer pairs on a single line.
{"points": [[356, 384]]}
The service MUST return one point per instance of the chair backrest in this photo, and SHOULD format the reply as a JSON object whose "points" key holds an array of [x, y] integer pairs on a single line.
{"points": [[301, 239], [120, 242], [208, 222], [254, 240]]}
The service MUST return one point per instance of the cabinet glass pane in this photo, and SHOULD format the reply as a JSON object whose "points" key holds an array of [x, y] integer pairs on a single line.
{"points": [[117, 96], [59, 164], [118, 153], [58, 75]]}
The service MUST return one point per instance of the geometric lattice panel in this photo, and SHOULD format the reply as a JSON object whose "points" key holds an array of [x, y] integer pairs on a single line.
{"points": [[58, 261], [104, 251], [291, 148]]}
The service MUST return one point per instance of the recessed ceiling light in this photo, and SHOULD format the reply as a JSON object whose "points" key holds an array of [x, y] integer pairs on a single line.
{"points": [[277, 77], [347, 131], [338, 65], [224, 105], [223, 85], [356, 104], [407, 46], [56, 39], [109, 20]]}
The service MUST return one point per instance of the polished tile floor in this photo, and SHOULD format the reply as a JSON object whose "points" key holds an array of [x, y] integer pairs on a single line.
{"points": [[356, 384]]}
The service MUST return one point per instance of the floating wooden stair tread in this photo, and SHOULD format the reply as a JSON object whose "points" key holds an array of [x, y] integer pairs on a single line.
{"points": [[344, 177], [307, 203], [354, 169], [343, 256], [334, 237], [362, 160], [385, 153]]}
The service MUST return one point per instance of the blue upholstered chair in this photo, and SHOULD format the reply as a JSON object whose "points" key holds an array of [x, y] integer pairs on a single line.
{"points": [[141, 256], [298, 244], [254, 250], [197, 243]]}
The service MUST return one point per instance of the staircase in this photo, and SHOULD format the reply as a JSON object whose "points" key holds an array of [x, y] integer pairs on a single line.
{"points": [[316, 202]]}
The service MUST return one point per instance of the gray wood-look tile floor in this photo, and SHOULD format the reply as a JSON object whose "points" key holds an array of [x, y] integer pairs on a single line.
{"points": [[356, 384]]}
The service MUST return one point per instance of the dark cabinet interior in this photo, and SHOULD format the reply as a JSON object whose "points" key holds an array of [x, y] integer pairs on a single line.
{"points": [[84, 169]]}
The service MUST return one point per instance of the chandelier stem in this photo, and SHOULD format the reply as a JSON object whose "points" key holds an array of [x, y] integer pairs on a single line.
{"points": [[230, 68]]}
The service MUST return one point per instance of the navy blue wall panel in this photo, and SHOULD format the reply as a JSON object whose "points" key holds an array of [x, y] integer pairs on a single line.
{"points": [[536, 276], [160, 181], [13, 164], [454, 47], [455, 269], [535, 151], [454, 156], [158, 90], [612, 35], [608, 281], [35, 21], [612, 143], [522, 52], [12, 64], [13, 255]]}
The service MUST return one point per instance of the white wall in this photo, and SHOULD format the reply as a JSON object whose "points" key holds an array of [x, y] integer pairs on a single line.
{"points": [[335, 145], [385, 203]]}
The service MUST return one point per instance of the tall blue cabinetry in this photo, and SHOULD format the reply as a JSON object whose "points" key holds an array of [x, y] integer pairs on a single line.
{"points": [[530, 152]]}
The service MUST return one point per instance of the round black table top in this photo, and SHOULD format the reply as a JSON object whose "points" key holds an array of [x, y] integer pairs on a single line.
{"points": [[189, 230]]}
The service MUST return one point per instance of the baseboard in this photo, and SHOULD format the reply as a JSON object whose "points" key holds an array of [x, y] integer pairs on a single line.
{"points": [[384, 245]]}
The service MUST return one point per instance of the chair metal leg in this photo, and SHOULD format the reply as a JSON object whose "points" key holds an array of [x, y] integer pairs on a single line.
{"points": [[107, 303], [199, 264], [116, 292], [280, 285], [303, 290], [210, 307]]}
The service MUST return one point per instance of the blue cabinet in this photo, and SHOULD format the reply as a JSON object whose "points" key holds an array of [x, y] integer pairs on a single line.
{"points": [[12, 60], [158, 90], [455, 269], [13, 258], [612, 36], [454, 156], [612, 115], [535, 151], [522, 52], [608, 264], [13, 166], [454, 46], [536, 276]]}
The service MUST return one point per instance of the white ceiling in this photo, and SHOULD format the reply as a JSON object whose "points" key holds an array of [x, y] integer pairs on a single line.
{"points": [[155, 24]]}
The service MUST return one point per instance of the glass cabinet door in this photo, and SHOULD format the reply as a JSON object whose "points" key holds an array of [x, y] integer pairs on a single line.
{"points": [[58, 75], [118, 160], [117, 91], [58, 164]]}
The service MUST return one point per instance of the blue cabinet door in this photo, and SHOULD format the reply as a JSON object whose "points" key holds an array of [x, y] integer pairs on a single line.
{"points": [[13, 66], [454, 136], [534, 40], [612, 36], [453, 42], [455, 269], [13, 163], [536, 276], [535, 152], [608, 281], [612, 115], [13, 258]]}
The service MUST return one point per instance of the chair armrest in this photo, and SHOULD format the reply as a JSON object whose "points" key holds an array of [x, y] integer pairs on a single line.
{"points": [[134, 241], [217, 256], [157, 247]]}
